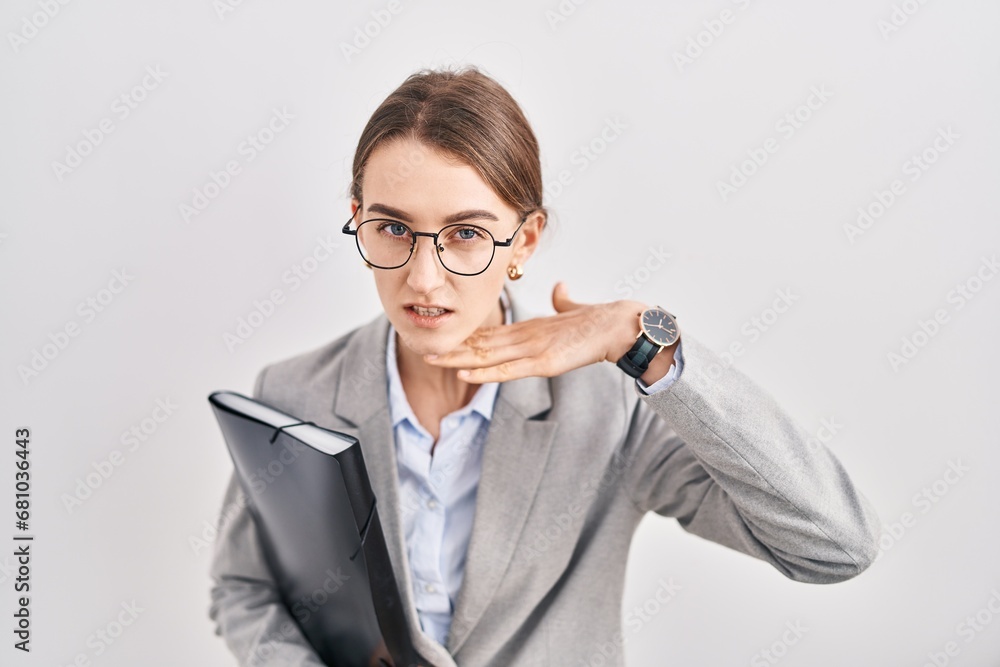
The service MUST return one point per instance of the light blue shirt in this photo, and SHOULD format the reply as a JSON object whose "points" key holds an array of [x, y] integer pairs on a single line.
{"points": [[438, 493]]}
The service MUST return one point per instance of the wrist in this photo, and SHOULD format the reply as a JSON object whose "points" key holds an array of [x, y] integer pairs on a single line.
{"points": [[626, 330], [629, 314], [660, 364]]}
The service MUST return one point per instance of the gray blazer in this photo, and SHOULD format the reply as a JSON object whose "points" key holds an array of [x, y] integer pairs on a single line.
{"points": [[570, 466]]}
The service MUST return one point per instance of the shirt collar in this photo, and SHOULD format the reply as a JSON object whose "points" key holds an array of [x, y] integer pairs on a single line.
{"points": [[399, 408]]}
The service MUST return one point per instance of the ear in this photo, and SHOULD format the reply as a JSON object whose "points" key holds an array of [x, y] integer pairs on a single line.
{"points": [[529, 237]]}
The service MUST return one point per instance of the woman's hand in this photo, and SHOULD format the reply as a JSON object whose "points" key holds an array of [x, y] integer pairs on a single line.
{"points": [[579, 334]]}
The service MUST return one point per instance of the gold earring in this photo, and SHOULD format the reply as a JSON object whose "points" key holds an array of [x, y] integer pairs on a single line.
{"points": [[515, 271]]}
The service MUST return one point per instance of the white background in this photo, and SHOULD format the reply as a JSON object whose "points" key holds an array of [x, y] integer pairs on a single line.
{"points": [[654, 186]]}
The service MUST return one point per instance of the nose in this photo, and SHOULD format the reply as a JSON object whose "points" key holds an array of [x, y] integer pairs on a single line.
{"points": [[425, 270]]}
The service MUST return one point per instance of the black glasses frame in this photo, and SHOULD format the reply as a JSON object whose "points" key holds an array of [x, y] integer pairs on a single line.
{"points": [[434, 235]]}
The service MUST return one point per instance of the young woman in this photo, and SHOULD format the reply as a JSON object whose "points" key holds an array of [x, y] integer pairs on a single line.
{"points": [[513, 454]]}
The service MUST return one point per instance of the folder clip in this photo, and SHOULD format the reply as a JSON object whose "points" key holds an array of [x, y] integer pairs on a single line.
{"points": [[282, 428], [364, 530]]}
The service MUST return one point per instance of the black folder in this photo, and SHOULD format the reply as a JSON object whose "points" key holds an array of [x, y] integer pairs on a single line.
{"points": [[309, 494]]}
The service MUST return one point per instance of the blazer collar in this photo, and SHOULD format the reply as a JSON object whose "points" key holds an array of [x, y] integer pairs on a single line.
{"points": [[515, 453]]}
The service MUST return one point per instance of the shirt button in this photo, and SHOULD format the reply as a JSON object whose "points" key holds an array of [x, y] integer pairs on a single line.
{"points": [[432, 504], [430, 588]]}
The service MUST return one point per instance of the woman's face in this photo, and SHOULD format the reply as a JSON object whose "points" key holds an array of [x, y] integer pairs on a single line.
{"points": [[416, 184]]}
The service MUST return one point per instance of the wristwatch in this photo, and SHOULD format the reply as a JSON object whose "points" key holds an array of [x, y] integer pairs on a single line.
{"points": [[658, 329]]}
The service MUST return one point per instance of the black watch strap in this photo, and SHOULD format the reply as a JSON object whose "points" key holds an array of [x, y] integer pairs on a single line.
{"points": [[636, 360]]}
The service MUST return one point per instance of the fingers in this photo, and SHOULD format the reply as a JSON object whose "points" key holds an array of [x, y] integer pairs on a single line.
{"points": [[481, 350], [503, 372], [530, 347], [482, 346]]}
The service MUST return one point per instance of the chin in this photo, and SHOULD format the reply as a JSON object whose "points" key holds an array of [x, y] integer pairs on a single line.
{"points": [[428, 341]]}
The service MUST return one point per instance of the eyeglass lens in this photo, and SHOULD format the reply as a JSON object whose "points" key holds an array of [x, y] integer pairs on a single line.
{"points": [[462, 248]]}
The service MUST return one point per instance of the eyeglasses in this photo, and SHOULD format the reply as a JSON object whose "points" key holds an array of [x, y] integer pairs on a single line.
{"points": [[461, 248]]}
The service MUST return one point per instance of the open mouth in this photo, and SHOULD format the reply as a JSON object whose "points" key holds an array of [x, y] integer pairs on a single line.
{"points": [[428, 312], [427, 317]]}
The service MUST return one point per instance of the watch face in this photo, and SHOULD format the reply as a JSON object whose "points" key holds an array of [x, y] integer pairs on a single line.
{"points": [[660, 326]]}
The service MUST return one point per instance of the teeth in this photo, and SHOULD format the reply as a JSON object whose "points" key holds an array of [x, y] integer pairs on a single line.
{"points": [[428, 312]]}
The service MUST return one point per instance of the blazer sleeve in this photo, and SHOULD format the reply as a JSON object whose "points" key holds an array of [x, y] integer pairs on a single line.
{"points": [[717, 452], [245, 606]]}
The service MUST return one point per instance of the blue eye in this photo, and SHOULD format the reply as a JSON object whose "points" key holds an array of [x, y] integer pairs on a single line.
{"points": [[467, 234], [396, 229]]}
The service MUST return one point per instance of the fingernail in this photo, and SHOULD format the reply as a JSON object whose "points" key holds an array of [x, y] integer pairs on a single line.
{"points": [[463, 374], [430, 356]]}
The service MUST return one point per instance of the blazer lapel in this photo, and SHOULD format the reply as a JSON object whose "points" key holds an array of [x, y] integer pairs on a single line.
{"points": [[362, 399], [516, 450]]}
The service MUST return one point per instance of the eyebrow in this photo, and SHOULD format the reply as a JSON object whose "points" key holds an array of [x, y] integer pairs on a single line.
{"points": [[471, 214]]}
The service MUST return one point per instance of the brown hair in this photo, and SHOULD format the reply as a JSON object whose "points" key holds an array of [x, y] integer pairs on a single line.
{"points": [[469, 116]]}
